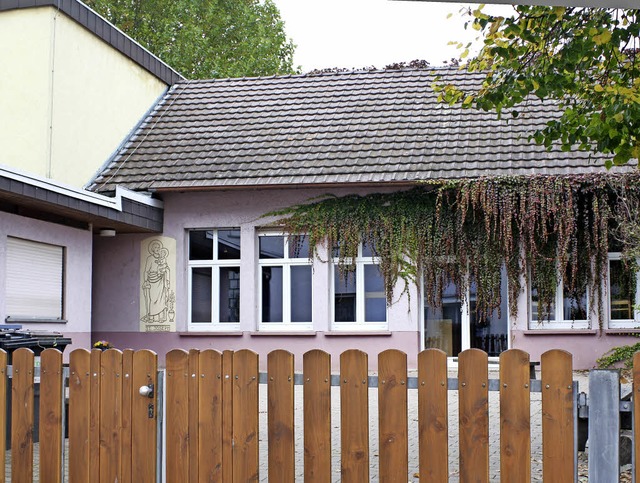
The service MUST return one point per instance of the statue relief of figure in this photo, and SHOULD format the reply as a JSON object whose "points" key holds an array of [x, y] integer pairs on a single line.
{"points": [[156, 285]]}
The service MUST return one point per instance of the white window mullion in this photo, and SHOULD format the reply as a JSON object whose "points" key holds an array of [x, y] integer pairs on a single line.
{"points": [[286, 292], [215, 294], [360, 292]]}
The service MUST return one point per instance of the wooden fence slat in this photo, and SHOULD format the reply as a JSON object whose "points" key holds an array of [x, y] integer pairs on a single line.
{"points": [[557, 416], [392, 416], [110, 416], [94, 412], [210, 419], [127, 448], [227, 417], [245, 416], [143, 417], [51, 415], [79, 409], [177, 410], [22, 417], [194, 386], [473, 393], [433, 422], [354, 416], [3, 411], [317, 416], [280, 406], [515, 417], [636, 411]]}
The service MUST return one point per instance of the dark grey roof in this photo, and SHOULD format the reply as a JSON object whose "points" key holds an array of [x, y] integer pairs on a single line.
{"points": [[358, 127], [106, 31]]}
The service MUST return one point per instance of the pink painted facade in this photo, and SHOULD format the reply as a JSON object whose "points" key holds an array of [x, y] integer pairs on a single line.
{"points": [[116, 299]]}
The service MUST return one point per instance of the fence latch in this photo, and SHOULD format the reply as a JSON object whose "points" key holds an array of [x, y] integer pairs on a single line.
{"points": [[150, 411]]}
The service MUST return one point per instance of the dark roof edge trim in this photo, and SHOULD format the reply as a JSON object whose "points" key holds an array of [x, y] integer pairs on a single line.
{"points": [[105, 30]]}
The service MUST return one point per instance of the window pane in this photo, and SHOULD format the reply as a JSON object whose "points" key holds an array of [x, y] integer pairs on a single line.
{"points": [[574, 305], [271, 247], [345, 296], [443, 324], [375, 303], [299, 247], [534, 306], [228, 244], [229, 294], [272, 294], [200, 245], [367, 251], [621, 291], [301, 293], [489, 332], [201, 295]]}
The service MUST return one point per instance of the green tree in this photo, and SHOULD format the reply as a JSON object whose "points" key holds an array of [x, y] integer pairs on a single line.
{"points": [[586, 60], [206, 38]]}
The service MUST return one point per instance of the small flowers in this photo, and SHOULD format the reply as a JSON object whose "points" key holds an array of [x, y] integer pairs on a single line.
{"points": [[102, 345]]}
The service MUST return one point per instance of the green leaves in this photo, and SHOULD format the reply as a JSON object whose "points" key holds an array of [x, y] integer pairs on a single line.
{"points": [[585, 59], [207, 38]]}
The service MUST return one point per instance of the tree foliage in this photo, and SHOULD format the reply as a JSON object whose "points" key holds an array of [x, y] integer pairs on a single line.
{"points": [[586, 60], [206, 38]]}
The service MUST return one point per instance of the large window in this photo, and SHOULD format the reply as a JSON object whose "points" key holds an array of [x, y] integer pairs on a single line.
{"points": [[569, 310], [35, 280], [214, 278], [359, 296], [285, 282], [623, 294]]}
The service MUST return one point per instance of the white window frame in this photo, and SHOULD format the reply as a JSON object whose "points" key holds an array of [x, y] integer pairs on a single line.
{"points": [[215, 264], [621, 323], [360, 324], [559, 323], [35, 281], [286, 263]]}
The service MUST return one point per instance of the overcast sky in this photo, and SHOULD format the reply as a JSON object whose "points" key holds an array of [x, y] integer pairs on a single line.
{"points": [[360, 33]]}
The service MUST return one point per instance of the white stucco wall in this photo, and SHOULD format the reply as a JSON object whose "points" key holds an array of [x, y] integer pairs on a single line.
{"points": [[69, 99], [77, 266]]}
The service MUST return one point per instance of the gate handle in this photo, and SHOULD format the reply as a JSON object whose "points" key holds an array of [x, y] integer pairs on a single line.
{"points": [[146, 391]]}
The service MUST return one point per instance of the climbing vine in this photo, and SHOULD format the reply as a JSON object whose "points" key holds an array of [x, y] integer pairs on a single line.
{"points": [[538, 227]]}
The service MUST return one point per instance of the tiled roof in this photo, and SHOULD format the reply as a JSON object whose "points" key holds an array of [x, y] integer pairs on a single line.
{"points": [[357, 127], [106, 31]]}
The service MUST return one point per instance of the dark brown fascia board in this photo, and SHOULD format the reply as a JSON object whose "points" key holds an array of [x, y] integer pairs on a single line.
{"points": [[127, 209], [108, 32]]}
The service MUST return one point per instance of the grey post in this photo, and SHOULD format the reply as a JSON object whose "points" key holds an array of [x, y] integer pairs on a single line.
{"points": [[604, 426]]}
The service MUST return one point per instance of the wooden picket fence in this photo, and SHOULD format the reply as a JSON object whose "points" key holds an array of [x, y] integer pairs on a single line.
{"points": [[211, 416]]}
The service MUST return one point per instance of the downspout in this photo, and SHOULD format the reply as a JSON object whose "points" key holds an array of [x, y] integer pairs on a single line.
{"points": [[52, 63]]}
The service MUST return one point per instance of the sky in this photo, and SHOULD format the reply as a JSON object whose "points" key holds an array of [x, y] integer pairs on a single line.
{"points": [[362, 33]]}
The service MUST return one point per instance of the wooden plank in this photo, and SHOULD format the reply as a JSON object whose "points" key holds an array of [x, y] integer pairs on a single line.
{"points": [[177, 411], [227, 417], [392, 416], [144, 416], [515, 417], [110, 416], [354, 416], [245, 416], [280, 404], [473, 375], [3, 411], [194, 386], [210, 410], [22, 417], [636, 411], [317, 416], [79, 410], [94, 411], [127, 395], [51, 415], [433, 422], [557, 416]]}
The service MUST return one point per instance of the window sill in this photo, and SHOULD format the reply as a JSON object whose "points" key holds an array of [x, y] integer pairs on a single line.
{"points": [[292, 333], [212, 333], [354, 333], [34, 320], [560, 332], [618, 331]]}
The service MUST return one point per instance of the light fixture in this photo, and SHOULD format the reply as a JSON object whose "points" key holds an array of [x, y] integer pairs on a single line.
{"points": [[107, 232]]}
